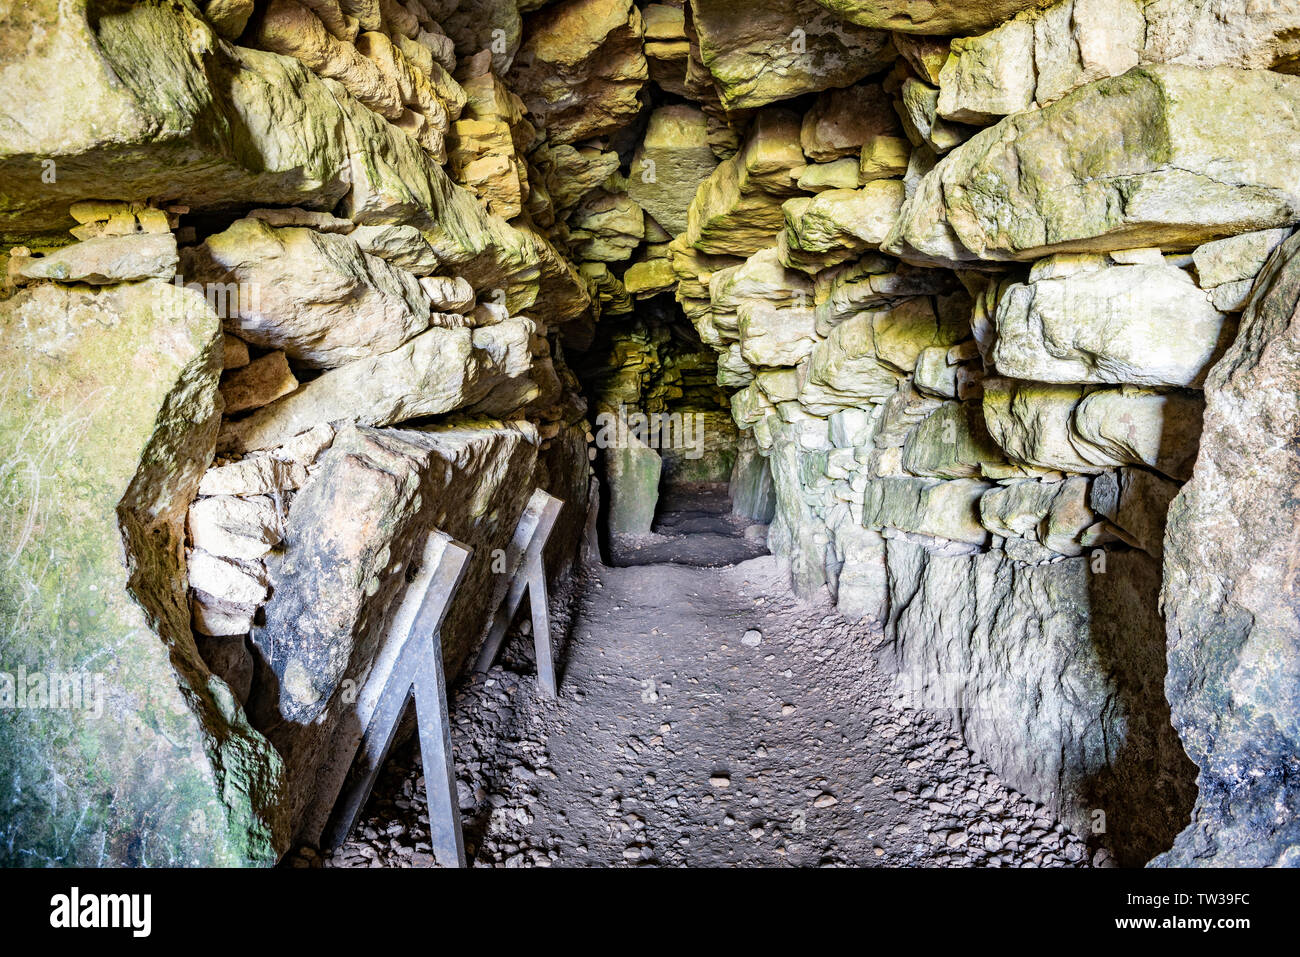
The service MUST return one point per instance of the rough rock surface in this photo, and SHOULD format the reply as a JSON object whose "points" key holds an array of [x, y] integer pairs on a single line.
{"points": [[441, 370], [941, 17], [1047, 51], [767, 50], [1057, 675], [632, 470], [104, 260], [1073, 429], [1229, 594], [141, 757], [315, 295], [673, 159], [1187, 179], [377, 494], [737, 210], [1144, 324], [1208, 33], [581, 67], [158, 98], [301, 130]]}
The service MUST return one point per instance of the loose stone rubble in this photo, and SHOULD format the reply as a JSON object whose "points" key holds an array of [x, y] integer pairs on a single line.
{"points": [[635, 766]]}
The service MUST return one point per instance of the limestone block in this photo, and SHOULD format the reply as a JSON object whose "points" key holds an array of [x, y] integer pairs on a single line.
{"points": [[259, 383], [1188, 179], [1229, 594], [581, 68], [672, 160], [95, 590], [104, 260], [767, 50], [314, 295], [1141, 324], [440, 370], [632, 470]]}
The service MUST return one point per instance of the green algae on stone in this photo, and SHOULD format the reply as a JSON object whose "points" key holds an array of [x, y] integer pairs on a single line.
{"points": [[108, 417], [1150, 158], [952, 442], [762, 51], [670, 163]]}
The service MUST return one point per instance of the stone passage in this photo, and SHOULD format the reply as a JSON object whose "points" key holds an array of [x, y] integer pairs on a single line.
{"points": [[957, 334], [730, 724]]}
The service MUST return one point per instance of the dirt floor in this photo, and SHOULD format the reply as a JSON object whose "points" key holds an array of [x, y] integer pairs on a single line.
{"points": [[706, 717]]}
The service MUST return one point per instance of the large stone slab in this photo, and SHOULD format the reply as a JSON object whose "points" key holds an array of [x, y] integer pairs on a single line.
{"points": [[952, 442], [350, 536], [1230, 593], [632, 471], [1160, 430], [104, 260], [862, 584], [797, 532], [772, 335], [989, 76], [1055, 675], [750, 486], [108, 416], [1047, 51], [946, 510], [1156, 157], [762, 51], [938, 17], [436, 372], [1144, 324], [581, 67], [673, 159], [1077, 429], [316, 296], [1040, 56]]}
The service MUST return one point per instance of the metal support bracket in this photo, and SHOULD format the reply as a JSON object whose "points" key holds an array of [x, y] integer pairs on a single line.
{"points": [[416, 673], [526, 570]]}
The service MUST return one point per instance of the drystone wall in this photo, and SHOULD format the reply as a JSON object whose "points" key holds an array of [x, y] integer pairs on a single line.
{"points": [[282, 294], [999, 295], [970, 306]]}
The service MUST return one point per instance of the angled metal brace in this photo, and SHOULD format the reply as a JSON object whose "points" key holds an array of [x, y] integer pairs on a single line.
{"points": [[417, 672], [526, 570]]}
